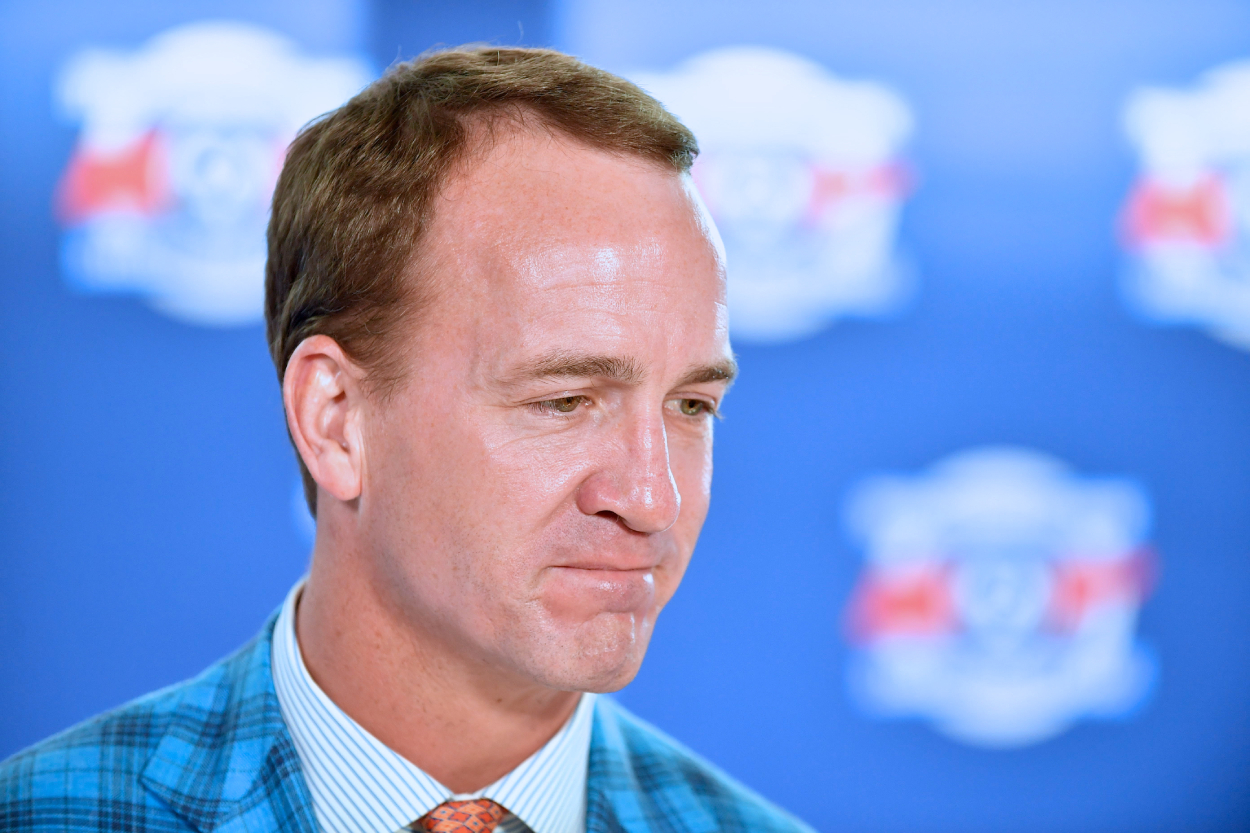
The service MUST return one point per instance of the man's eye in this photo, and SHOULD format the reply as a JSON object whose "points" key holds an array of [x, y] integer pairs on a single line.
{"points": [[563, 405], [694, 407]]}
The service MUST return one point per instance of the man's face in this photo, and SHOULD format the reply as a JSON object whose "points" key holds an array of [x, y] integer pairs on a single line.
{"points": [[534, 488]]}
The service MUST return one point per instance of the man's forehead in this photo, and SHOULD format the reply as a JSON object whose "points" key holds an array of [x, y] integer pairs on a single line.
{"points": [[535, 210], [599, 266], [546, 245]]}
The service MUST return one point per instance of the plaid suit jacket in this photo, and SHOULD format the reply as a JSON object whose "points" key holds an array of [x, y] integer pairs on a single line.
{"points": [[213, 754]]}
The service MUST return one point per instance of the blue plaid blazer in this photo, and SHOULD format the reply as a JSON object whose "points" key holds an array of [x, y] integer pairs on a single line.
{"points": [[213, 754]]}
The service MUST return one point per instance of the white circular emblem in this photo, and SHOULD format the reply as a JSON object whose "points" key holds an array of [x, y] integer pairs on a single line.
{"points": [[166, 195], [999, 597], [801, 171], [1186, 223]]}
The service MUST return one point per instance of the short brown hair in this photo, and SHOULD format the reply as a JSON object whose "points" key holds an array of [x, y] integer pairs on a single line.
{"points": [[357, 188]]}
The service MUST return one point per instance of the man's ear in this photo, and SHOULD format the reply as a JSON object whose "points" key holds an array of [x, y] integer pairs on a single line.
{"points": [[322, 393]]}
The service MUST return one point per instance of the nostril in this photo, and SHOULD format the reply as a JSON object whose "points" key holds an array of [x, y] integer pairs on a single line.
{"points": [[610, 515]]}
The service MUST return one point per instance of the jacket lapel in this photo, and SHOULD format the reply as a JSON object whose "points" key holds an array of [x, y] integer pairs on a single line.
{"points": [[612, 804], [226, 762], [636, 781], [614, 786]]}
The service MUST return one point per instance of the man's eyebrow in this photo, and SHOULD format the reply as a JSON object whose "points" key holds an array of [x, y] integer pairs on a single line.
{"points": [[725, 371], [579, 366], [616, 368]]}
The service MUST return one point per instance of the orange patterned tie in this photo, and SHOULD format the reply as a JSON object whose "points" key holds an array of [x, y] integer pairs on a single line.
{"points": [[479, 816]]}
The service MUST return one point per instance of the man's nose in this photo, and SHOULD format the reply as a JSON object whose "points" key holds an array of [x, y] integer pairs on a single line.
{"points": [[634, 478]]}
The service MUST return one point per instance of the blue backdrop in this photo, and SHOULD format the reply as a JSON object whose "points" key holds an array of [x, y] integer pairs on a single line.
{"points": [[149, 515]]}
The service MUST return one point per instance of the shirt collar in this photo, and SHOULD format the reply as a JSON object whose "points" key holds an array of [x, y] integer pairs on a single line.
{"points": [[357, 783]]}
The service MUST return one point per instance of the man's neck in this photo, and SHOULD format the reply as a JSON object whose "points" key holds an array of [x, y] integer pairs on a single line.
{"points": [[423, 699]]}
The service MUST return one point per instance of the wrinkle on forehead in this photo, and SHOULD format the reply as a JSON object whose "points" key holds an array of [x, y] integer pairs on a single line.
{"points": [[603, 266]]}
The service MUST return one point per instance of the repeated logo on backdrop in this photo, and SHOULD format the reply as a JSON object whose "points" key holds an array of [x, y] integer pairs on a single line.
{"points": [[166, 195], [1187, 221], [802, 172], [999, 597]]}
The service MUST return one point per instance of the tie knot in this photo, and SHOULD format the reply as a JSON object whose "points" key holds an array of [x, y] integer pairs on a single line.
{"points": [[477, 816]]}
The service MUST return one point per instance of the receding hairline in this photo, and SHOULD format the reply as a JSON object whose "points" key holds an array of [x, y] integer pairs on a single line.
{"points": [[491, 128]]}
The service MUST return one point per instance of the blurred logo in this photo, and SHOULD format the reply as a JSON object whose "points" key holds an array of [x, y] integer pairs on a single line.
{"points": [[801, 172], [1000, 597], [166, 195], [1187, 221]]}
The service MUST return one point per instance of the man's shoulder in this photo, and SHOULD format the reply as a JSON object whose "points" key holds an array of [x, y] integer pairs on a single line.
{"points": [[643, 779], [77, 778], [136, 768]]}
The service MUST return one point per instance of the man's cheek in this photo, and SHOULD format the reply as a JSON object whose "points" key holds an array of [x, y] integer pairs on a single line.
{"points": [[692, 469], [547, 468]]}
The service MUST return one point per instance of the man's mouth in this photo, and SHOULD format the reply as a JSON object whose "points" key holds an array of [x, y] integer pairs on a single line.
{"points": [[605, 587], [611, 561]]}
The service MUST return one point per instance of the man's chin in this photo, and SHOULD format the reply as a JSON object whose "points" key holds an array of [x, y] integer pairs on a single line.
{"points": [[601, 655], [604, 681]]}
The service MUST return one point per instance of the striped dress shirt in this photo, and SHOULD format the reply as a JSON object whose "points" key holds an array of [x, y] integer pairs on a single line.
{"points": [[359, 785]]}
